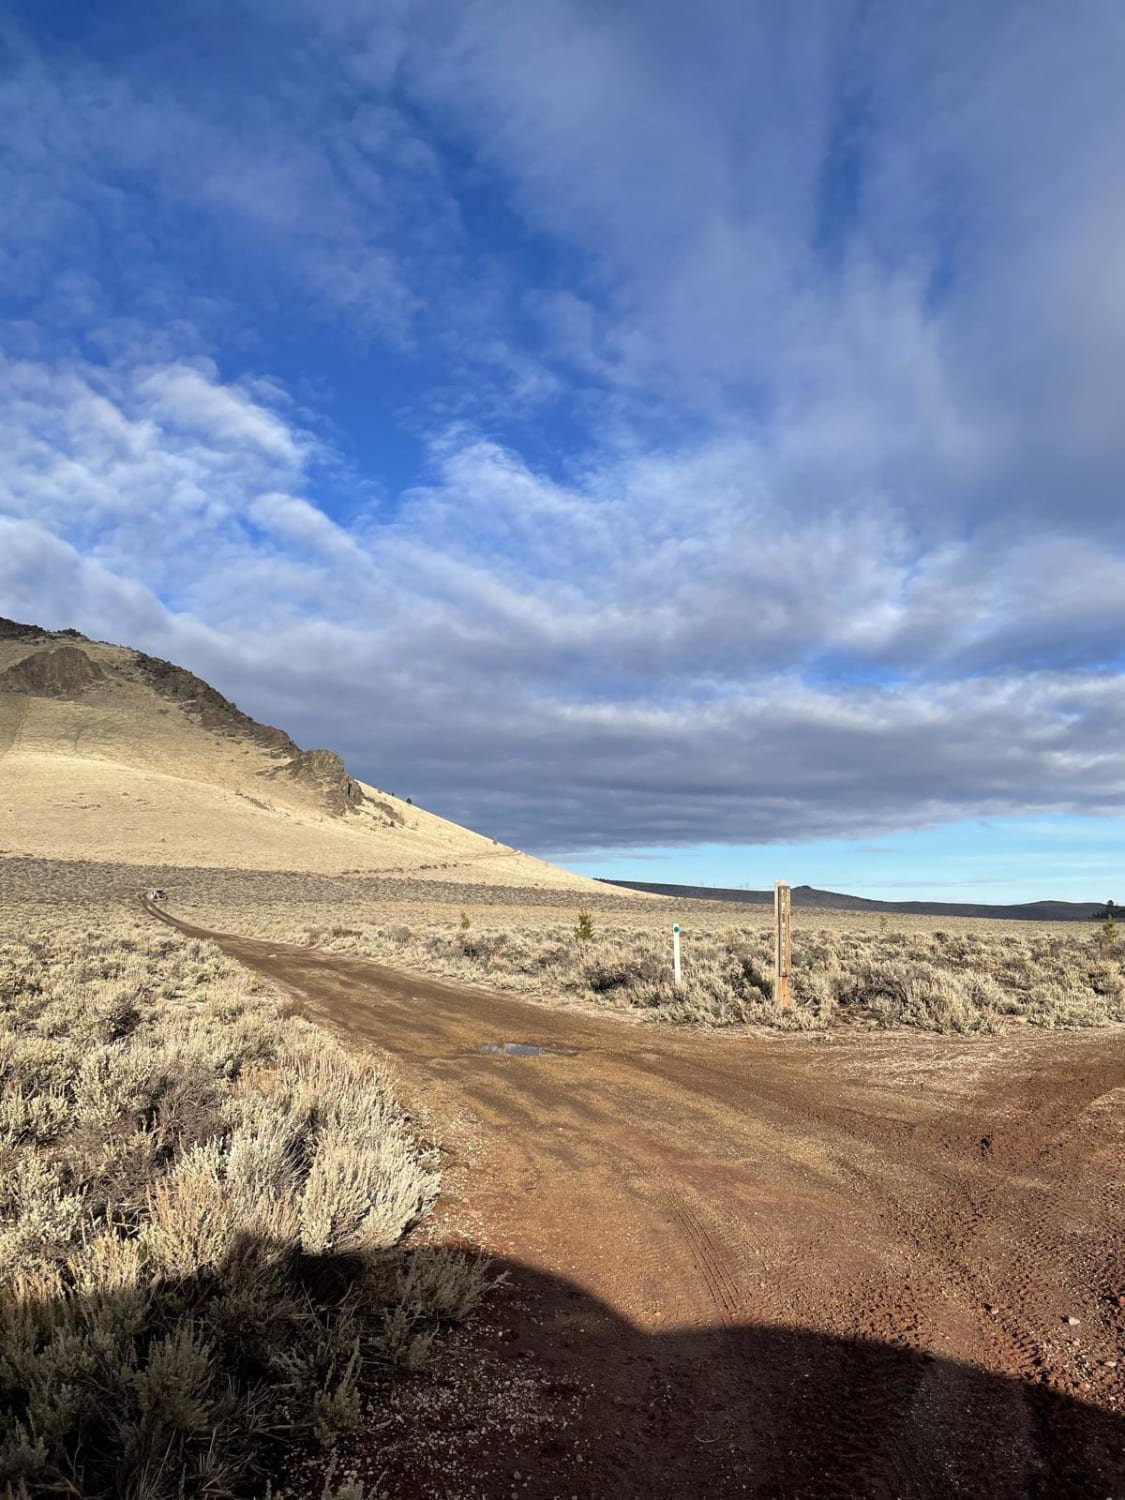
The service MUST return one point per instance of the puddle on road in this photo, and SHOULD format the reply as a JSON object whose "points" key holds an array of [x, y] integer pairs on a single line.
{"points": [[527, 1049]]}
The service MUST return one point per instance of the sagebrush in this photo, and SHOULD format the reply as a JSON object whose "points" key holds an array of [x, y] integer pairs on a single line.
{"points": [[929, 978], [203, 1203]]}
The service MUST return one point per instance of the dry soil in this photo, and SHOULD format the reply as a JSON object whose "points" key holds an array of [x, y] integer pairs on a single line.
{"points": [[880, 1265]]}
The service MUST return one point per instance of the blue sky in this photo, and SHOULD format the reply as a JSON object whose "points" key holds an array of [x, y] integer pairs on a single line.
{"points": [[682, 441], [986, 862]]}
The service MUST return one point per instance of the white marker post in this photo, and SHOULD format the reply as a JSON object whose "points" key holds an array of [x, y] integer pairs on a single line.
{"points": [[677, 972]]}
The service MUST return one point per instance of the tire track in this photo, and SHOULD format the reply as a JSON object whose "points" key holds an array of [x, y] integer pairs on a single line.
{"points": [[670, 1174], [709, 1256], [982, 1198]]}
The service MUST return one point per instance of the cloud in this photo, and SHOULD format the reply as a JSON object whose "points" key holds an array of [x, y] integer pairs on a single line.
{"points": [[868, 233], [125, 167], [44, 580], [758, 372], [627, 662], [192, 400]]}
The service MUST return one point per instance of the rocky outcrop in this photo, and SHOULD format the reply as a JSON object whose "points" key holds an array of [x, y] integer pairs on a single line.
{"points": [[325, 773], [209, 708], [322, 771], [62, 673], [14, 630], [66, 671]]}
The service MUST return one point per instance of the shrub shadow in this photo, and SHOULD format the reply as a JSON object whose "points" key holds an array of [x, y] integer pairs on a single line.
{"points": [[208, 1384]]}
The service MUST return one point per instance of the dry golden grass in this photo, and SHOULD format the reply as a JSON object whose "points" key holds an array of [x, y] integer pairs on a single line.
{"points": [[203, 1208], [849, 968], [949, 974], [120, 770]]}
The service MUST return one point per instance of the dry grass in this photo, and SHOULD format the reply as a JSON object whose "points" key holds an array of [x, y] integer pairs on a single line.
{"points": [[943, 974], [203, 1207], [124, 770], [971, 977]]}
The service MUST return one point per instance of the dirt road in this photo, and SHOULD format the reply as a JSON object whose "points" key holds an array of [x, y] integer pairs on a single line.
{"points": [[770, 1266]]}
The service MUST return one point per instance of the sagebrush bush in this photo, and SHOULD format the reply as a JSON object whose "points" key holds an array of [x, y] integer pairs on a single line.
{"points": [[202, 1210], [965, 981]]}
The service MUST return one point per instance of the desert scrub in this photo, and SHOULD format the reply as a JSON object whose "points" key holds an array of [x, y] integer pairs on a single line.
{"points": [[965, 981], [202, 1215]]}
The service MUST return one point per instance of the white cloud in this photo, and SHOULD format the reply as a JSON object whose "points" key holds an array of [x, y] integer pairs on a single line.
{"points": [[655, 628], [44, 580], [195, 401], [819, 316]]}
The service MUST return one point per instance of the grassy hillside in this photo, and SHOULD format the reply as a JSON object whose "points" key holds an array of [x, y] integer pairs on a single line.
{"points": [[108, 754]]}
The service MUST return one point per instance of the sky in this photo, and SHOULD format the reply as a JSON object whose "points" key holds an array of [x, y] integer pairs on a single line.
{"points": [[682, 441]]}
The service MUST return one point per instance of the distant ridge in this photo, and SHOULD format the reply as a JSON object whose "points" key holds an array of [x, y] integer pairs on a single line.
{"points": [[807, 895]]}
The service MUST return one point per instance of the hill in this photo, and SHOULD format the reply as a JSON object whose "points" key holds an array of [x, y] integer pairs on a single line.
{"points": [[107, 754], [809, 896]]}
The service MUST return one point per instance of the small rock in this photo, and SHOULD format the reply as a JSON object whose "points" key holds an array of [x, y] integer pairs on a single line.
{"points": [[1071, 1321], [991, 1309], [1110, 1364]]}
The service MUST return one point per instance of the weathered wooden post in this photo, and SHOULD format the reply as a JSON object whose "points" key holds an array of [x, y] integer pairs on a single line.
{"points": [[782, 942], [677, 973]]}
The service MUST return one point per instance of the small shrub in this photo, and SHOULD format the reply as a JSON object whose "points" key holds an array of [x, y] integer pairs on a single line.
{"points": [[584, 930]]}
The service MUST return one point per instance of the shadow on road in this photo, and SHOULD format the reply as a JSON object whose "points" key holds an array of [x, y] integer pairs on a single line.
{"points": [[552, 1395], [545, 1393]]}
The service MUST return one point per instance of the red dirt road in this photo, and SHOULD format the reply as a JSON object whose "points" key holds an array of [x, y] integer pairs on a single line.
{"points": [[775, 1266]]}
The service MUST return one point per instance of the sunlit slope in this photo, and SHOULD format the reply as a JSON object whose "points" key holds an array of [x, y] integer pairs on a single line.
{"points": [[108, 755]]}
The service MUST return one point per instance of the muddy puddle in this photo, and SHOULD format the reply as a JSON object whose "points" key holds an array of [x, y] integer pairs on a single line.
{"points": [[527, 1049]]}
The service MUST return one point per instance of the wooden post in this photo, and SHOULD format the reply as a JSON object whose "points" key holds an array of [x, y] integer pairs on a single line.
{"points": [[677, 973], [782, 943]]}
